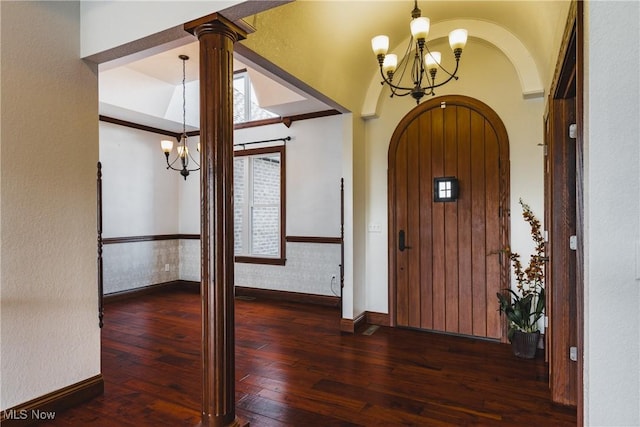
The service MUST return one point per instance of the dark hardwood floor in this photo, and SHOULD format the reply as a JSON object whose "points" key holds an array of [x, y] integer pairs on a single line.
{"points": [[294, 368]]}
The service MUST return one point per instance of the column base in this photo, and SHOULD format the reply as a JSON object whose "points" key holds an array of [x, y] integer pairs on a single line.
{"points": [[237, 422]]}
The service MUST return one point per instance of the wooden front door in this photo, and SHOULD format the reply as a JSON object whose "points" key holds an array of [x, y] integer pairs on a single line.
{"points": [[445, 268]]}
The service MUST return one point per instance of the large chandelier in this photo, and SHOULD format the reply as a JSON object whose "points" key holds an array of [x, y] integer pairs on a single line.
{"points": [[182, 148], [425, 63]]}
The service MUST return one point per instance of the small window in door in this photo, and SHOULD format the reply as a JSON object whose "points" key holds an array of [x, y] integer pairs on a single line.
{"points": [[445, 189]]}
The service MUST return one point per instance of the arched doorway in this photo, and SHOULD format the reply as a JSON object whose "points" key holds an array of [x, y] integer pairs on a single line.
{"points": [[445, 265]]}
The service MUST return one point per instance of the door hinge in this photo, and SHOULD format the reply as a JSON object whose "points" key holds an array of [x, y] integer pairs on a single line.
{"points": [[544, 148], [573, 354], [573, 243], [573, 131]]}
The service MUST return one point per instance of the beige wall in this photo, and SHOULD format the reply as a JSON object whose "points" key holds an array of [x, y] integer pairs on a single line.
{"points": [[486, 74], [49, 336]]}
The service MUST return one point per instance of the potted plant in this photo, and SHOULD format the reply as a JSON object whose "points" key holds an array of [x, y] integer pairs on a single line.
{"points": [[525, 306]]}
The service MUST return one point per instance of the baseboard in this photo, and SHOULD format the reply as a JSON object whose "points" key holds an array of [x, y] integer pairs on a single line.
{"points": [[325, 300], [158, 287], [241, 291], [381, 319], [48, 406], [350, 326]]}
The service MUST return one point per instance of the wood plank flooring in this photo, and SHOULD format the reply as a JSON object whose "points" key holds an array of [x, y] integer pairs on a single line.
{"points": [[295, 368]]}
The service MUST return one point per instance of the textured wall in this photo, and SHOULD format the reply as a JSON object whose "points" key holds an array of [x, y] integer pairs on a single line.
{"points": [[49, 336], [612, 215], [309, 269], [138, 264]]}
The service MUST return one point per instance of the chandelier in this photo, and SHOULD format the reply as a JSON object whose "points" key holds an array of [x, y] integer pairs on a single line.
{"points": [[182, 149], [425, 64]]}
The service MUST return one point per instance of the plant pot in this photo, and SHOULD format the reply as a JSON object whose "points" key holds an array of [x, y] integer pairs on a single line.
{"points": [[525, 344]]}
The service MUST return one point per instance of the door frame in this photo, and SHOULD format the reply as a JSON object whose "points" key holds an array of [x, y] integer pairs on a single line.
{"points": [[504, 179], [566, 308]]}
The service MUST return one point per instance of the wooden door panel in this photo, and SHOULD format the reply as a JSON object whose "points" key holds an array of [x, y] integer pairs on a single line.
{"points": [[492, 220], [451, 248], [413, 225], [426, 219], [437, 242], [448, 279], [401, 223], [465, 289], [478, 230]]}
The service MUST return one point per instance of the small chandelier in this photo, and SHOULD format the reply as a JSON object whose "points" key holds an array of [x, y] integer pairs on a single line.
{"points": [[182, 148], [425, 63]]}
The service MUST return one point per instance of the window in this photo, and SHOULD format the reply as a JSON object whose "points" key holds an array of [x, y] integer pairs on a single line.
{"points": [[258, 188], [445, 189], [246, 108]]}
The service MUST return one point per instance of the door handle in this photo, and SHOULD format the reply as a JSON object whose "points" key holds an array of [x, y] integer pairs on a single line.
{"points": [[401, 241]]}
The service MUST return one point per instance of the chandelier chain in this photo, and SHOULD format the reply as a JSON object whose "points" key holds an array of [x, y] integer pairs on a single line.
{"points": [[184, 98]]}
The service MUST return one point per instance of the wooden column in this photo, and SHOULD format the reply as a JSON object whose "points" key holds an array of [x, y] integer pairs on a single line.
{"points": [[217, 36]]}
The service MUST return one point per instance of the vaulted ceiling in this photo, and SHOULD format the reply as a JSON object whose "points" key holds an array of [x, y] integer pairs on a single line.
{"points": [[326, 45]]}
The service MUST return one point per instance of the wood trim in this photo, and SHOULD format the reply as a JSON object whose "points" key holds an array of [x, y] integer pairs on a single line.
{"points": [[313, 239], [137, 126], [562, 225], [565, 214], [580, 88], [258, 260], [559, 82], [216, 38], [382, 319], [298, 297], [257, 123], [189, 236], [351, 326], [150, 289], [149, 238], [100, 264], [341, 242], [287, 121], [281, 149], [27, 413], [262, 150]]}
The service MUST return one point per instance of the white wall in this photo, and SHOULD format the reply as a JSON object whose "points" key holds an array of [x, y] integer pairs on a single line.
{"points": [[485, 74], [49, 298], [139, 196], [149, 200], [110, 24], [612, 215]]}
